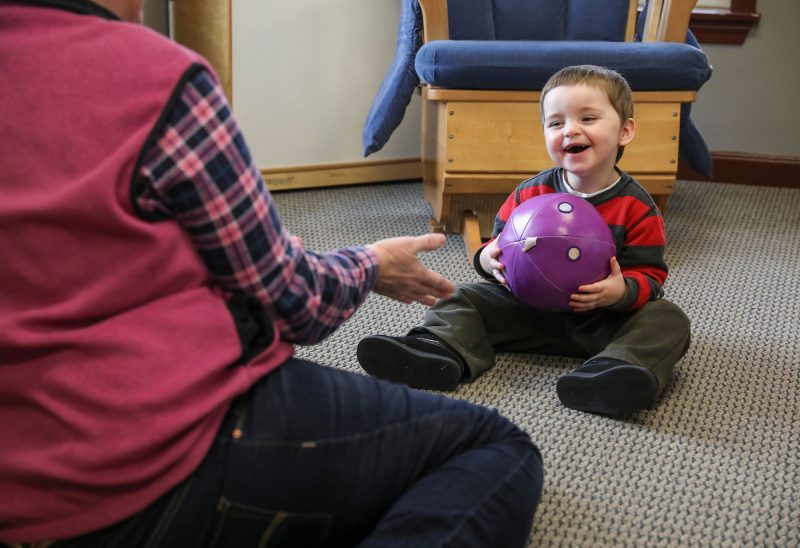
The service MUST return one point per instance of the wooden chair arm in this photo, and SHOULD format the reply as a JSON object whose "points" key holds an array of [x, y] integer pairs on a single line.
{"points": [[434, 20], [675, 21], [667, 20], [630, 28]]}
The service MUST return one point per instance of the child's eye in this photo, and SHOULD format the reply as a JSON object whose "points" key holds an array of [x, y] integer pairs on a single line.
{"points": [[555, 123], [589, 118]]}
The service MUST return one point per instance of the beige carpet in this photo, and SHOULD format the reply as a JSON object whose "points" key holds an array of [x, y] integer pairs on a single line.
{"points": [[716, 462]]}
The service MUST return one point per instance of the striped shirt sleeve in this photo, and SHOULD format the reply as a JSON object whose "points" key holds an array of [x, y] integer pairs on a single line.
{"points": [[638, 229], [198, 171]]}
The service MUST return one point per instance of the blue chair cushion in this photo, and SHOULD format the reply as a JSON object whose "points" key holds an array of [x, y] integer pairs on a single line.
{"points": [[398, 84], [693, 149], [527, 65]]}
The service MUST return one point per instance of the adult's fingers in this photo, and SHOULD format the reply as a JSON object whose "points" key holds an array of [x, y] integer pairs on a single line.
{"points": [[428, 242]]}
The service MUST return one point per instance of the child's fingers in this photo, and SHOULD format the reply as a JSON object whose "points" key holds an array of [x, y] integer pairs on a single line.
{"points": [[591, 288], [582, 303]]}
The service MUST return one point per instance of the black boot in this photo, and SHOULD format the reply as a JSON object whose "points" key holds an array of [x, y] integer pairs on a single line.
{"points": [[421, 360], [609, 387]]}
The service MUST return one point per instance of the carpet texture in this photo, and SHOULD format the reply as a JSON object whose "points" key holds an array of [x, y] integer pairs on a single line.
{"points": [[717, 461]]}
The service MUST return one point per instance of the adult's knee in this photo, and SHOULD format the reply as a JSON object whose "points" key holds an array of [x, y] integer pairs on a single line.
{"points": [[518, 493]]}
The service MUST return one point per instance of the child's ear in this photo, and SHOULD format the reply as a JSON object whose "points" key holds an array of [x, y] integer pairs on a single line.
{"points": [[627, 131]]}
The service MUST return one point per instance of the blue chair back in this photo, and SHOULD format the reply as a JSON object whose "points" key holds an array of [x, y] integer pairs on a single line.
{"points": [[538, 19]]}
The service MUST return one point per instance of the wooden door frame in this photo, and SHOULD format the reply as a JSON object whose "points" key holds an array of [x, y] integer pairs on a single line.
{"points": [[206, 26]]}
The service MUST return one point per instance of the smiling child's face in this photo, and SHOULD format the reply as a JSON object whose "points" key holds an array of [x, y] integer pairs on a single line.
{"points": [[582, 133]]}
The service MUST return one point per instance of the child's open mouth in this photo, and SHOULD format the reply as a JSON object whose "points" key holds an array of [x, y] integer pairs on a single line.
{"points": [[575, 149]]}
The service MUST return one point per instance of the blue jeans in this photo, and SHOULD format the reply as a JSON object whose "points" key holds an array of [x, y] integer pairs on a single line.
{"points": [[314, 456]]}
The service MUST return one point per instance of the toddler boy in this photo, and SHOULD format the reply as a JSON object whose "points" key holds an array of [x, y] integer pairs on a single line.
{"points": [[629, 335]]}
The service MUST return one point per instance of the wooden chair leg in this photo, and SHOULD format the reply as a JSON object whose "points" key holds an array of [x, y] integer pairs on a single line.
{"points": [[661, 201], [471, 232]]}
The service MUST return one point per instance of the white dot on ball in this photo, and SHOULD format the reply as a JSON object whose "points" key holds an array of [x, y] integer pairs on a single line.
{"points": [[565, 207], [574, 253]]}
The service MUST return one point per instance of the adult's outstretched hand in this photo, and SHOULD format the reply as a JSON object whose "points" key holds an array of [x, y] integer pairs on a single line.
{"points": [[403, 277]]}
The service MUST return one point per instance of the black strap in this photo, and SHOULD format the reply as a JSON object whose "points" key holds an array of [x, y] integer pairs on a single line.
{"points": [[253, 325], [78, 6]]}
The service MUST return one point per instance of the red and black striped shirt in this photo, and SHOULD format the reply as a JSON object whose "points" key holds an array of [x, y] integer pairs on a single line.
{"points": [[635, 223]]}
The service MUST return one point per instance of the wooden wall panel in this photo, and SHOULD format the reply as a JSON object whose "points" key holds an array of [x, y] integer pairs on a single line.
{"points": [[495, 136], [654, 148], [205, 27], [508, 137]]}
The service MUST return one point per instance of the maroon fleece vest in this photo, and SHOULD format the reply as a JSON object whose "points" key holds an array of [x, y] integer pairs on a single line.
{"points": [[115, 351]]}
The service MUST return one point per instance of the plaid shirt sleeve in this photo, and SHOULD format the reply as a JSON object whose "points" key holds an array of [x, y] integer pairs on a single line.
{"points": [[199, 172]]}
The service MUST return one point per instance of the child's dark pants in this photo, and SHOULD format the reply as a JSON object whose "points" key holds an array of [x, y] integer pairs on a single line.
{"points": [[483, 318]]}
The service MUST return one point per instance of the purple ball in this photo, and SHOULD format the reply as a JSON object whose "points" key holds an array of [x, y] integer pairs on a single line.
{"points": [[551, 245]]}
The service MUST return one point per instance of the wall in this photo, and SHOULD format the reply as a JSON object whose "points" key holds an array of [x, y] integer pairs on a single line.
{"points": [[750, 103], [305, 74]]}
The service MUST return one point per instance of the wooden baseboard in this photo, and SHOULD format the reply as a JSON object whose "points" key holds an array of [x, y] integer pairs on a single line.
{"points": [[749, 169], [350, 173], [729, 167]]}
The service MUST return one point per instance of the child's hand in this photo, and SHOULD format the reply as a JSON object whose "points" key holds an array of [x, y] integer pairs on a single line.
{"points": [[606, 292], [490, 263]]}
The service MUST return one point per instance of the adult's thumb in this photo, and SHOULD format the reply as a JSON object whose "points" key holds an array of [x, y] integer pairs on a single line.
{"points": [[429, 242]]}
